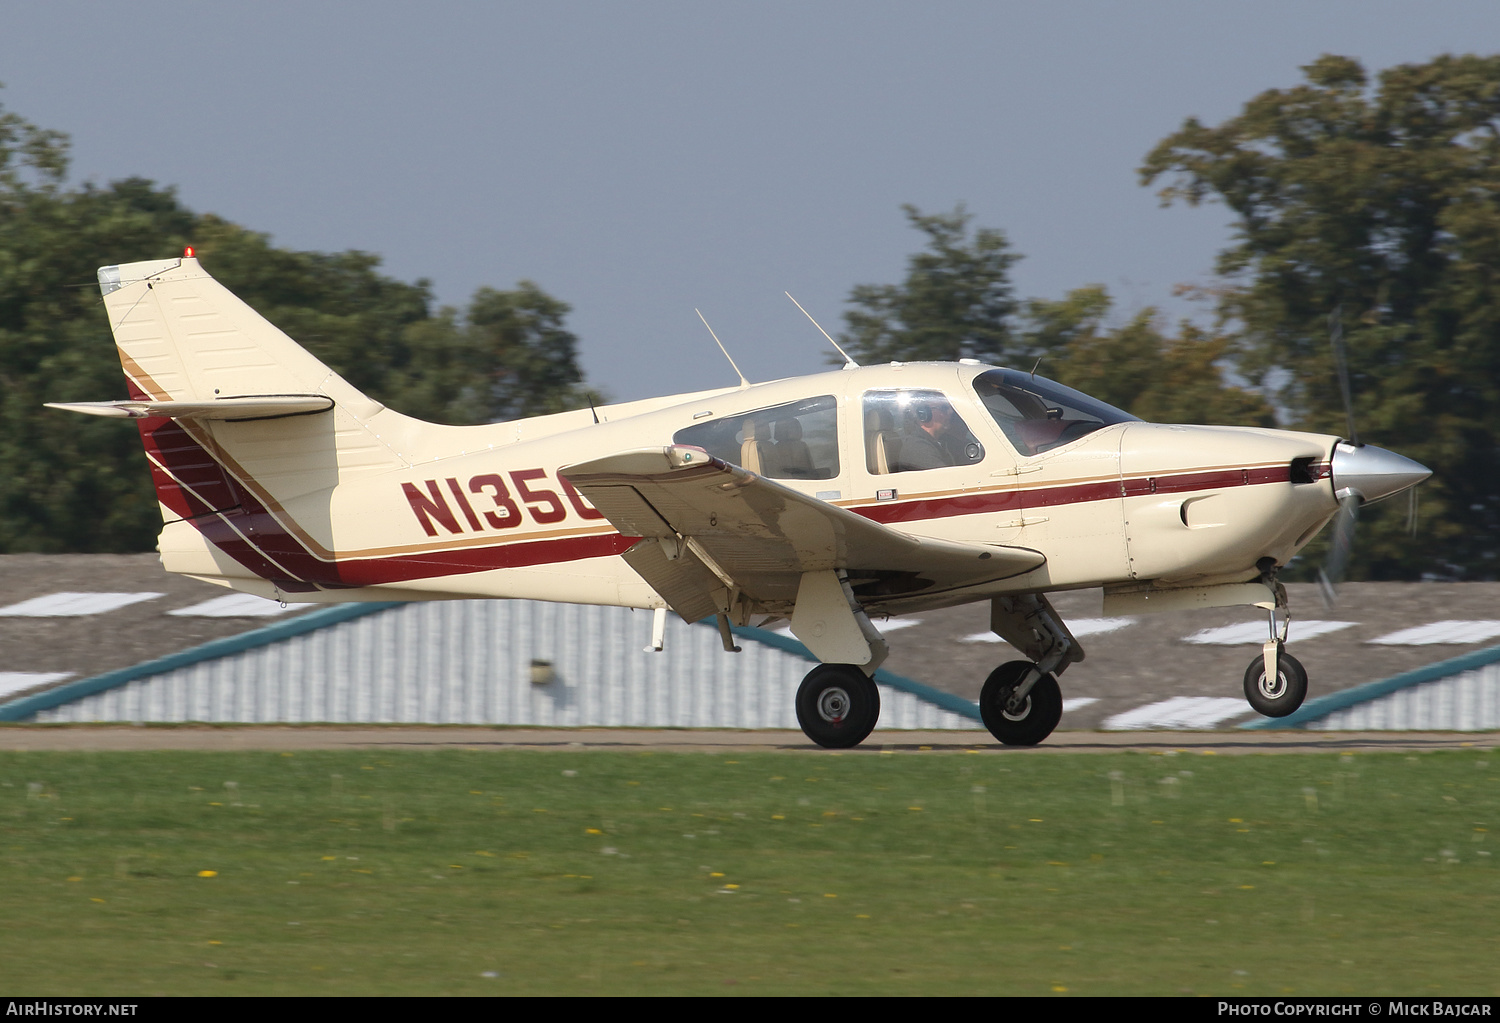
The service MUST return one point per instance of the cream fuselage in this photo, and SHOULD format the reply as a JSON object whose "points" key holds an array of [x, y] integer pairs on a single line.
{"points": [[483, 511]]}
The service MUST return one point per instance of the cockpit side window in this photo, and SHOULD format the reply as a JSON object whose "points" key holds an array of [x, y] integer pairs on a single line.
{"points": [[796, 441], [907, 430], [1037, 414]]}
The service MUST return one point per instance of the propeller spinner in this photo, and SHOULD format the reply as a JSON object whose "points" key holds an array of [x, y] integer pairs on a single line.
{"points": [[1370, 473], [1362, 474]]}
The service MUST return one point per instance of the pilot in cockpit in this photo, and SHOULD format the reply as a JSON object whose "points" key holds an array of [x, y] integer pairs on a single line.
{"points": [[936, 441]]}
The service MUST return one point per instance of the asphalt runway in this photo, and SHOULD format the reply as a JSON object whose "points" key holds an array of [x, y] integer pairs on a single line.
{"points": [[291, 738]]}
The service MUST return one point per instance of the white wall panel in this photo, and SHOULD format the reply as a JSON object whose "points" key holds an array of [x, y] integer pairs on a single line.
{"points": [[469, 662], [1466, 702]]}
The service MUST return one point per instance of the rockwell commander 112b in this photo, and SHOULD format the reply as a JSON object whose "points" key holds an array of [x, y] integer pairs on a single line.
{"points": [[826, 500]]}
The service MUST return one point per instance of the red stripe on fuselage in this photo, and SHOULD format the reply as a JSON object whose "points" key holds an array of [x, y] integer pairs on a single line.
{"points": [[173, 453], [191, 467], [255, 538], [1070, 493]]}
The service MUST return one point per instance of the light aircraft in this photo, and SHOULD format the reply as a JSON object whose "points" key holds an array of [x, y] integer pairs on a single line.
{"points": [[826, 500]]}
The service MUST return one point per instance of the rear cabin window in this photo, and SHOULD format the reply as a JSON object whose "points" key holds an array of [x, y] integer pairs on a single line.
{"points": [[796, 441]]}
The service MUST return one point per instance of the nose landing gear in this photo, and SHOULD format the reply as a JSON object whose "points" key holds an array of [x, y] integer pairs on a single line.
{"points": [[1275, 682], [1276, 696]]}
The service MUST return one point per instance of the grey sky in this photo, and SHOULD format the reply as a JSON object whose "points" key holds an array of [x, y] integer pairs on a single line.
{"points": [[640, 159]]}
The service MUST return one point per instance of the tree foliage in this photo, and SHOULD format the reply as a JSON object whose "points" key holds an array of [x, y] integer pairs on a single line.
{"points": [[956, 302], [1380, 201], [73, 483], [1138, 367]]}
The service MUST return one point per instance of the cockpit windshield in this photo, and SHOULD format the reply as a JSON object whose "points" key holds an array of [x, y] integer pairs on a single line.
{"points": [[1037, 414]]}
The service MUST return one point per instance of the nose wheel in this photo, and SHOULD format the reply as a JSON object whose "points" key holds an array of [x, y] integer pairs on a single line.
{"points": [[1275, 682], [838, 705], [1279, 696], [1023, 722]]}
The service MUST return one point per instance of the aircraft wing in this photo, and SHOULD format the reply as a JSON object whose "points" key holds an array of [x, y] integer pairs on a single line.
{"points": [[709, 525]]}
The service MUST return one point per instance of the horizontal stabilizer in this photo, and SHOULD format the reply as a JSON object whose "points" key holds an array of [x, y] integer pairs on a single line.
{"points": [[251, 406]]}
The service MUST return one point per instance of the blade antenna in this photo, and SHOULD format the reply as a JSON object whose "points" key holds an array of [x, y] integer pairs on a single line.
{"points": [[1336, 342], [743, 382], [848, 362]]}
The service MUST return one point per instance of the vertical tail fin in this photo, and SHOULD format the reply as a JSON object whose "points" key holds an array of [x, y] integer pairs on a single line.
{"points": [[249, 485], [184, 337]]}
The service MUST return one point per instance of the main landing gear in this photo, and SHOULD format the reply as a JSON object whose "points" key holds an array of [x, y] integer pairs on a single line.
{"points": [[1023, 721], [1021, 702], [838, 705]]}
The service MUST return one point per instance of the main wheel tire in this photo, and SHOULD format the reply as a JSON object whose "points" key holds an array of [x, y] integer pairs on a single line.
{"points": [[1278, 699], [1038, 716], [838, 705]]}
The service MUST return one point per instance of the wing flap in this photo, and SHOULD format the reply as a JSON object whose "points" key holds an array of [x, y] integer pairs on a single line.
{"points": [[685, 583]]}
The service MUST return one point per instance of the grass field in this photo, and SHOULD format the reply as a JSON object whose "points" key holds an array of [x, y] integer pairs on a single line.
{"points": [[594, 872]]}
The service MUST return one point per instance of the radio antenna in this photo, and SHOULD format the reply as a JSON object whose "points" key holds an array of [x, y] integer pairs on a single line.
{"points": [[848, 362], [743, 382]]}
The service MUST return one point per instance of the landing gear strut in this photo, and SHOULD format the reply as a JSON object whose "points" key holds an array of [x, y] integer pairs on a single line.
{"points": [[838, 705], [1021, 703], [1023, 722], [1275, 682]]}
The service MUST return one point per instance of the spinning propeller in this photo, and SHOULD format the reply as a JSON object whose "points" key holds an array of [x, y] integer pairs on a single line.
{"points": [[1361, 475]]}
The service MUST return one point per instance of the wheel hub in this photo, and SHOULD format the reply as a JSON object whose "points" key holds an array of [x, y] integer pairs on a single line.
{"points": [[1015, 713], [833, 705], [1272, 689]]}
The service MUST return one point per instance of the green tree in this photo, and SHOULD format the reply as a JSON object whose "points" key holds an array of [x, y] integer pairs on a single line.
{"points": [[956, 301], [507, 356], [1137, 367], [525, 355], [1381, 201], [71, 483]]}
